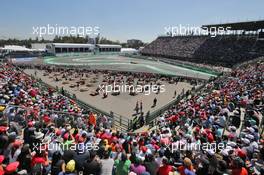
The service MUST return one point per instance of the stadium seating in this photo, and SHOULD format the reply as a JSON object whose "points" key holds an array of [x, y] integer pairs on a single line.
{"points": [[220, 50], [44, 132]]}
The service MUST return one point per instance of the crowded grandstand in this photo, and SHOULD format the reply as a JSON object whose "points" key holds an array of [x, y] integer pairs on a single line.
{"points": [[35, 119], [221, 50], [210, 122]]}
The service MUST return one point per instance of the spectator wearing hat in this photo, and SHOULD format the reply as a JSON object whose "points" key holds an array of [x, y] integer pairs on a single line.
{"points": [[69, 169], [40, 162], [12, 168], [28, 132], [186, 168], [190, 126], [15, 150]]}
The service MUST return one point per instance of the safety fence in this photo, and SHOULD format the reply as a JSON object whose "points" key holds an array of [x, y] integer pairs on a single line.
{"points": [[151, 119], [119, 122]]}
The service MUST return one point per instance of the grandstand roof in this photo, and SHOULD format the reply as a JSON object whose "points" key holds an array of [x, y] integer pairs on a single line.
{"points": [[72, 45], [15, 48], [247, 26], [108, 46]]}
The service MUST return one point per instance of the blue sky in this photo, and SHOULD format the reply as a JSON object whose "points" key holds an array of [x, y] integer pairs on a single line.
{"points": [[122, 19]]}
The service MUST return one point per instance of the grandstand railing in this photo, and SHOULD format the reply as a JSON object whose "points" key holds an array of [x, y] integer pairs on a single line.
{"points": [[151, 118], [118, 122]]}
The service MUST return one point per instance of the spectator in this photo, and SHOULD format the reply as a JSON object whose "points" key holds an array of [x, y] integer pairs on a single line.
{"points": [[166, 168], [93, 165], [107, 164], [122, 166], [137, 167], [58, 164]]}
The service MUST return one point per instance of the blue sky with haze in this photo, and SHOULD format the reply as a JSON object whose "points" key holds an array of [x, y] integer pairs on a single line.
{"points": [[122, 19]]}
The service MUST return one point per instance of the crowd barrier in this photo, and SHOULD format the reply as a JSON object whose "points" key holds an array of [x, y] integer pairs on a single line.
{"points": [[118, 122]]}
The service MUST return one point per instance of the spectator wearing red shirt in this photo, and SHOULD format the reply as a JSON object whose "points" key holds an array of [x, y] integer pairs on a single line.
{"points": [[165, 169], [40, 158]]}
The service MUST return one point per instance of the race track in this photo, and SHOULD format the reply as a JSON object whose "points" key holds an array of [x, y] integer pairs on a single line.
{"points": [[121, 63]]}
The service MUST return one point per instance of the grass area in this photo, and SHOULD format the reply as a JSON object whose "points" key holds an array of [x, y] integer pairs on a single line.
{"points": [[200, 69]]}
